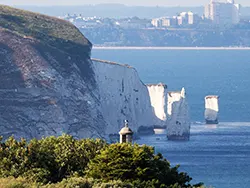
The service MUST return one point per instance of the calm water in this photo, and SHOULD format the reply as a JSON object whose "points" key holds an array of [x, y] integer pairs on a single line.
{"points": [[216, 155]]}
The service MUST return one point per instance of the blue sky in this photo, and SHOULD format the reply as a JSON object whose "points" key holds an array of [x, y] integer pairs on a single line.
{"points": [[127, 2]]}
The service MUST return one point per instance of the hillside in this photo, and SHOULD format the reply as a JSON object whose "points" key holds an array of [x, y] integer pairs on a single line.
{"points": [[47, 81], [51, 31], [115, 36]]}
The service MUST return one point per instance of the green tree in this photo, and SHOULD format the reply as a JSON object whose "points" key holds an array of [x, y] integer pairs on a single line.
{"points": [[13, 157], [64, 156], [137, 164], [50, 159]]}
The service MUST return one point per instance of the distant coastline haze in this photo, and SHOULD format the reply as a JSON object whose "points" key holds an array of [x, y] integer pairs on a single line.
{"points": [[125, 2]]}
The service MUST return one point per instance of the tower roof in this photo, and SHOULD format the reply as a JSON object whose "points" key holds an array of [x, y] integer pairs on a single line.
{"points": [[125, 130]]}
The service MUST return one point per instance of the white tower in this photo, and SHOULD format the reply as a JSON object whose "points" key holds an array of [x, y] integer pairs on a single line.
{"points": [[126, 134]]}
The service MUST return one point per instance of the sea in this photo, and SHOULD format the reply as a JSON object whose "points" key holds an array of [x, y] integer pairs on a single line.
{"points": [[217, 155]]}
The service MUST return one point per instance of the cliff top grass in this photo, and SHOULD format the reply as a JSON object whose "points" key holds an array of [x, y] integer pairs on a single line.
{"points": [[110, 62], [159, 85], [49, 30], [212, 96]]}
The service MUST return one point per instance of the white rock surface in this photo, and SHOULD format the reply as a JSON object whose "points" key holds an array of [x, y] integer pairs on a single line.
{"points": [[178, 127], [159, 99], [211, 108], [123, 96]]}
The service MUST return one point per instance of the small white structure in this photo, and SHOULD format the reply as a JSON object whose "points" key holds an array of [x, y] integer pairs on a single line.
{"points": [[126, 134], [211, 109]]}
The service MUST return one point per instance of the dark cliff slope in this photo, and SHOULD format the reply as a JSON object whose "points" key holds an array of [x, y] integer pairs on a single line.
{"points": [[47, 83]]}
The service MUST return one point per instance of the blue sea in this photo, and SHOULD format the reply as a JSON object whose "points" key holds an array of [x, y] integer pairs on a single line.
{"points": [[218, 155]]}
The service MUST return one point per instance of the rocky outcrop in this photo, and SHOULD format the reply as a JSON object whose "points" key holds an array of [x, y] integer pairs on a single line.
{"points": [[178, 127], [159, 101], [211, 109]]}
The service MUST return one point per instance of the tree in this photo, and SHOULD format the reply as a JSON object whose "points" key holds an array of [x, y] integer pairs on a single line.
{"points": [[13, 157], [137, 164], [50, 159], [64, 156]]}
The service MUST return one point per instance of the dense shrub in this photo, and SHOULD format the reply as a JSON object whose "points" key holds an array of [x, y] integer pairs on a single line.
{"points": [[136, 164], [12, 182], [66, 183], [72, 183], [50, 159], [63, 161]]}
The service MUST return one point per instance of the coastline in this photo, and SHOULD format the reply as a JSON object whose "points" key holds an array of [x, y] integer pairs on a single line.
{"points": [[166, 48]]}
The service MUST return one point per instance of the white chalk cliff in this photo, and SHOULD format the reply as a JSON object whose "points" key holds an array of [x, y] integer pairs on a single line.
{"points": [[178, 127], [211, 109], [123, 96], [159, 100]]}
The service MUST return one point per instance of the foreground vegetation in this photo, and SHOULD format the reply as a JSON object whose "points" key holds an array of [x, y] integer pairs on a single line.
{"points": [[67, 162]]}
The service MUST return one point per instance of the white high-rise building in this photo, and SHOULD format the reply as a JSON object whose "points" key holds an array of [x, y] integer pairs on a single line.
{"points": [[156, 22], [223, 13], [192, 18]]}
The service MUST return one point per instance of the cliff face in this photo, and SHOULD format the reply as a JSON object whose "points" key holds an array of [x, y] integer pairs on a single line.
{"points": [[179, 123], [46, 88], [123, 96], [44, 91], [159, 100]]}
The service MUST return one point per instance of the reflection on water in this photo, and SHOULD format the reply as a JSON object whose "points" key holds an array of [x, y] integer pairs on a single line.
{"points": [[212, 126], [217, 155]]}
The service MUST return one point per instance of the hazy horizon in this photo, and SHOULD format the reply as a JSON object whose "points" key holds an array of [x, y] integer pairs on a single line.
{"points": [[125, 2]]}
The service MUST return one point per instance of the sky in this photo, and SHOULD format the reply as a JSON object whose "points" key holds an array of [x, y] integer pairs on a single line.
{"points": [[126, 2]]}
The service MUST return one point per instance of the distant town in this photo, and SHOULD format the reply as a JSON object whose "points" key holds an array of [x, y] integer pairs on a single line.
{"points": [[184, 29]]}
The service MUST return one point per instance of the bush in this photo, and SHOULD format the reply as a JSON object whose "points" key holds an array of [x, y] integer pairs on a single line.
{"points": [[50, 159], [113, 184], [136, 164], [12, 182], [70, 162], [72, 183]]}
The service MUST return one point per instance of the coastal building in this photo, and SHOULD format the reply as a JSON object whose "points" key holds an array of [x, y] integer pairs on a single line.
{"points": [[184, 16], [180, 20], [223, 13], [126, 134], [193, 18], [187, 18], [168, 22], [156, 22], [164, 22]]}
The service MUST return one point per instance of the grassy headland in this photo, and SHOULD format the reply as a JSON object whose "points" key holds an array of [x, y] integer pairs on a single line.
{"points": [[49, 30]]}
